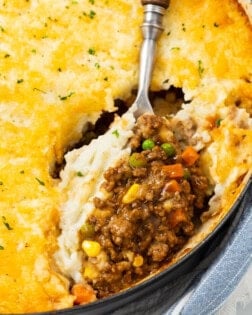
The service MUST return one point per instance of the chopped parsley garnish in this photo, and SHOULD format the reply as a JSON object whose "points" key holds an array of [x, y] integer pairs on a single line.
{"points": [[34, 51], [20, 81], [105, 79], [91, 1], [168, 33], [39, 90], [183, 27], [6, 56], [59, 70], [1, 247], [200, 68], [1, 183], [175, 48], [6, 223], [91, 51], [91, 14], [2, 29], [79, 174], [63, 98], [40, 181], [218, 122], [116, 133], [21, 172], [166, 81], [97, 65]]}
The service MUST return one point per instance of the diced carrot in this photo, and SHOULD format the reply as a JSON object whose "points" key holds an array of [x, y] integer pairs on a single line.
{"points": [[176, 216], [83, 293], [189, 156], [173, 170], [173, 186]]}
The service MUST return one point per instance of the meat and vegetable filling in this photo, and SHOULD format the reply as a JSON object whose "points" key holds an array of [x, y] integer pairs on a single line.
{"points": [[155, 198]]}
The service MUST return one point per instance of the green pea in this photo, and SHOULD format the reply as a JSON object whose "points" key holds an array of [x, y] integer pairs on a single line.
{"points": [[137, 160], [87, 230], [148, 144], [169, 149], [187, 174]]}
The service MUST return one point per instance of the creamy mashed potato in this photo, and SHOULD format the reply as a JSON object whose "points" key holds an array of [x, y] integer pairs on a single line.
{"points": [[81, 180], [61, 63]]}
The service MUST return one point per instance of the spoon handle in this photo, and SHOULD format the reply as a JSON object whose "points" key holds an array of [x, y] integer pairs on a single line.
{"points": [[161, 3], [151, 29]]}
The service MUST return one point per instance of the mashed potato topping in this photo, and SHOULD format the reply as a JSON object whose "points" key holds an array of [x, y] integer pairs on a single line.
{"points": [[61, 63], [81, 180]]}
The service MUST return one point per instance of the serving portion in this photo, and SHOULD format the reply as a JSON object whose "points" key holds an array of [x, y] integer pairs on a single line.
{"points": [[144, 210], [136, 195], [59, 75]]}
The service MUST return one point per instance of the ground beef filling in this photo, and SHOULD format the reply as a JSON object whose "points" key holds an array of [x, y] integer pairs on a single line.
{"points": [[155, 197]]}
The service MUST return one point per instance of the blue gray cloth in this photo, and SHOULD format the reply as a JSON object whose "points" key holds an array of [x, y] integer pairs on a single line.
{"points": [[205, 288]]}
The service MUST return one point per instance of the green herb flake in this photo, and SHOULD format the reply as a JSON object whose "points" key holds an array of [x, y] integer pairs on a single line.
{"points": [[63, 98], [175, 48], [97, 65], [74, 2], [165, 81], [1, 183], [22, 172], [92, 14], [2, 29], [116, 133], [40, 181], [91, 51], [218, 122], [200, 68], [20, 81], [91, 1], [183, 27], [105, 79], [1, 247], [7, 225], [39, 90], [6, 56], [216, 24], [168, 33], [79, 174], [34, 51]]}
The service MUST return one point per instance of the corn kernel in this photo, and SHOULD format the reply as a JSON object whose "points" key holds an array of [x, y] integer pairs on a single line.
{"points": [[91, 248], [138, 261], [90, 272], [131, 194]]}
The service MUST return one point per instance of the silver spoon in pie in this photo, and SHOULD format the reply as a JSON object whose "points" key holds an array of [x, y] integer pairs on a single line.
{"points": [[154, 11]]}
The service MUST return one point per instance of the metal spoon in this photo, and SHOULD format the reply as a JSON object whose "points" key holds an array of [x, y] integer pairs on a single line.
{"points": [[154, 11]]}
